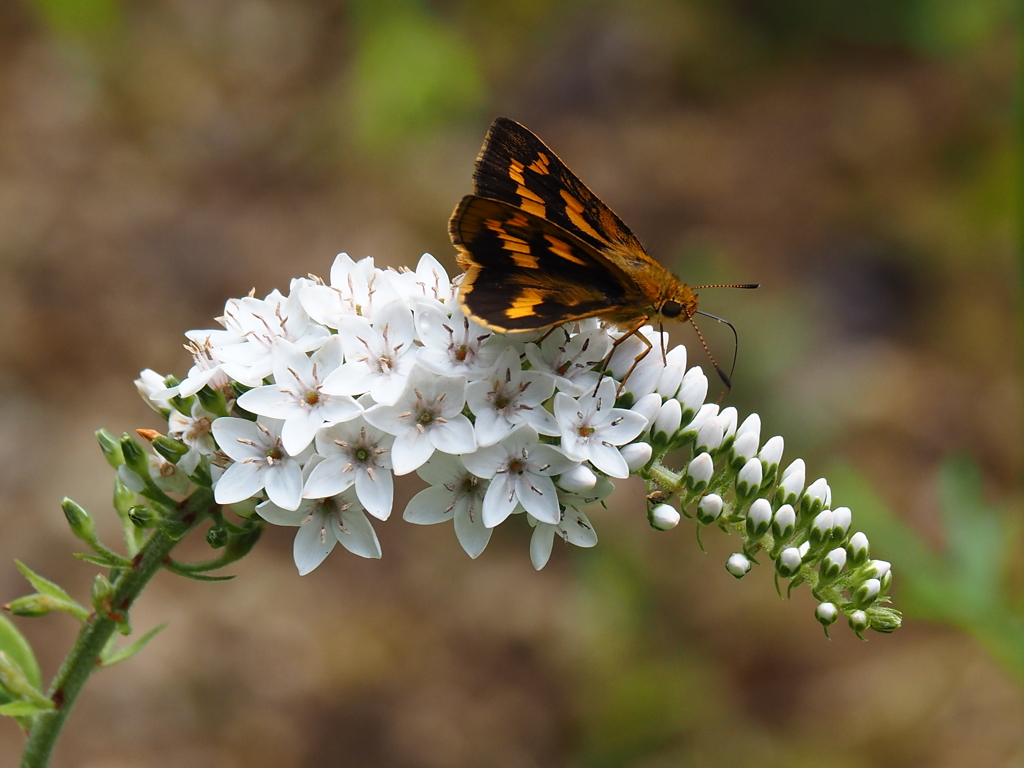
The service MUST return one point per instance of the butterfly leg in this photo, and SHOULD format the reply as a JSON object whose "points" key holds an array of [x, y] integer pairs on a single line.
{"points": [[634, 331]]}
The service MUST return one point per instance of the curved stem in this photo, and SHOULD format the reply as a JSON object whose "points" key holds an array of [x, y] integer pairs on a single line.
{"points": [[82, 660]]}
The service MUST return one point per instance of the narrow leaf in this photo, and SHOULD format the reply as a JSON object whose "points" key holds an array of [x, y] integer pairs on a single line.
{"points": [[43, 585], [108, 659], [18, 650]]}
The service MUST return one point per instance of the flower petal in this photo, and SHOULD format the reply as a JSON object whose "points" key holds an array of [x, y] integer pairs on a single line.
{"points": [[241, 481], [376, 494], [429, 506], [313, 543], [355, 533]]}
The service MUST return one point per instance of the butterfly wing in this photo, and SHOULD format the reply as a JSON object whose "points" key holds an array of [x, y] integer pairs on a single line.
{"points": [[516, 167], [526, 273]]}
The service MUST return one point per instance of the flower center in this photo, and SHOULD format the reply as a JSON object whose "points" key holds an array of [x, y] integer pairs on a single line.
{"points": [[517, 466], [586, 431], [426, 418], [501, 402], [361, 454], [312, 397], [461, 352]]}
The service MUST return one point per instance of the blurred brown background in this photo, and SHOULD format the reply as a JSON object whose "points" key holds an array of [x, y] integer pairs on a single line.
{"points": [[855, 158]]}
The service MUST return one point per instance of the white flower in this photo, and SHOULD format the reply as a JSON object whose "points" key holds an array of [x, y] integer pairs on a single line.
{"points": [[430, 280], [253, 326], [206, 366], [322, 524], [520, 469], [456, 345], [427, 417], [297, 397], [354, 453], [637, 361], [193, 431], [574, 528], [357, 288], [571, 359], [454, 493], [378, 358], [592, 428], [672, 375], [508, 397], [261, 462], [154, 391]]}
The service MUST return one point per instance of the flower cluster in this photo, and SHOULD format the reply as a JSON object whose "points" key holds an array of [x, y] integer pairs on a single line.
{"points": [[302, 407]]}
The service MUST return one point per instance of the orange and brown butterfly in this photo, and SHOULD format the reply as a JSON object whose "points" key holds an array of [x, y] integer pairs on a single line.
{"points": [[540, 249]]}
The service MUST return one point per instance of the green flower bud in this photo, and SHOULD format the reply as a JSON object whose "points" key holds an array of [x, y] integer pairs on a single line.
{"points": [[35, 605], [884, 619], [748, 481], [111, 448], [821, 528], [102, 593], [169, 448], [865, 594], [134, 457], [789, 562], [217, 537], [213, 401], [81, 522], [857, 549], [142, 516], [832, 565], [816, 498], [699, 473]]}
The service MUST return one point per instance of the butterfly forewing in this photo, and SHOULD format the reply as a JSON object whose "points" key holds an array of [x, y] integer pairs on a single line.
{"points": [[526, 273], [516, 167]]}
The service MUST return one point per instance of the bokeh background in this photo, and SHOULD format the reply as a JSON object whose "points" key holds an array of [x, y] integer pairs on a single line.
{"points": [[855, 158]]}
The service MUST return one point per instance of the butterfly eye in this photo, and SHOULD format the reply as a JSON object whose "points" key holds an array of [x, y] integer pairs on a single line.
{"points": [[671, 309]]}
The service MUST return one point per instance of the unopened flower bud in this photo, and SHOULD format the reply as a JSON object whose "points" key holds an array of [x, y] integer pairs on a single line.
{"points": [[771, 453], [579, 478], [710, 435], [743, 449], [34, 605], [814, 498], [667, 422], [857, 549], [636, 455], [213, 401], [111, 448], [707, 411], [885, 619], [833, 564], [759, 518], [792, 483], [102, 592], [141, 516], [169, 448], [217, 536], [82, 524], [729, 418], [866, 593], [789, 562], [692, 392], [803, 549], [709, 509], [672, 375], [699, 472], [821, 528], [17, 685], [648, 406], [826, 614], [738, 565], [750, 426], [784, 522], [858, 621], [664, 517], [748, 481], [877, 568], [841, 518], [134, 457]]}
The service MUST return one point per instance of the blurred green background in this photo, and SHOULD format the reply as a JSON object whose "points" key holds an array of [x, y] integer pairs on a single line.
{"points": [[855, 158]]}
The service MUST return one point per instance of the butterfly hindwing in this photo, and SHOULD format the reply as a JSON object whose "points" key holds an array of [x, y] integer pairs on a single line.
{"points": [[527, 273], [516, 167]]}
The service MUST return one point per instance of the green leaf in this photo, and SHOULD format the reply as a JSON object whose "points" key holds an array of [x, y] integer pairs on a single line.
{"points": [[104, 562], [108, 659], [43, 585], [18, 650]]}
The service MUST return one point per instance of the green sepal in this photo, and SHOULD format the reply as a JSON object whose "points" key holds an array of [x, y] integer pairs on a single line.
{"points": [[104, 561], [213, 401], [124, 500], [18, 651], [142, 516], [217, 537], [111, 448], [109, 659], [169, 448], [101, 594]]}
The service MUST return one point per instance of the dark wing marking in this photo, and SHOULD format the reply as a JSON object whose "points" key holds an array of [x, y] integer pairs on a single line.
{"points": [[525, 273], [516, 167]]}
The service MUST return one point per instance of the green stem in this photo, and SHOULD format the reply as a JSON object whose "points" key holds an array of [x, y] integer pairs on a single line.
{"points": [[83, 658]]}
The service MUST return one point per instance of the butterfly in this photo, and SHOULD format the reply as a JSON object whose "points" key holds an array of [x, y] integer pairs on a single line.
{"points": [[540, 249]]}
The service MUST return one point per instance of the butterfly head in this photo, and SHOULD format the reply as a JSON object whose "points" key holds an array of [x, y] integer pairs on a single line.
{"points": [[680, 305]]}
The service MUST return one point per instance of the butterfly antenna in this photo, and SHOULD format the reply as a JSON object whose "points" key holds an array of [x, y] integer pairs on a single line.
{"points": [[726, 379], [744, 286]]}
